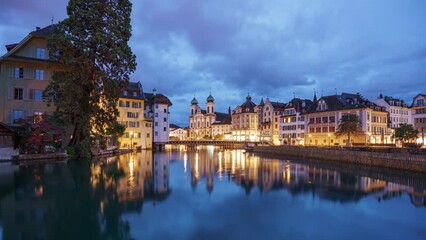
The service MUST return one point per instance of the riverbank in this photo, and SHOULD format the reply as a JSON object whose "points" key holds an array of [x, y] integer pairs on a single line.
{"points": [[397, 160]]}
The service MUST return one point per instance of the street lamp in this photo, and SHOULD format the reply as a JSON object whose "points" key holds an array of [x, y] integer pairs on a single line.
{"points": [[131, 140], [310, 139], [328, 139]]}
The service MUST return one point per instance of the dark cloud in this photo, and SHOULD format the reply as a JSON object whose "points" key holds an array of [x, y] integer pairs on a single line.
{"points": [[269, 48]]}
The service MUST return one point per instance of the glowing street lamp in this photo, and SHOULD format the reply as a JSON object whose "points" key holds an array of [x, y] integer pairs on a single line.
{"points": [[131, 140]]}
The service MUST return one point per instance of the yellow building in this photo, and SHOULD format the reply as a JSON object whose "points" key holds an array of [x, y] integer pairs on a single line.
{"points": [[245, 122], [24, 74], [324, 115], [138, 132]]}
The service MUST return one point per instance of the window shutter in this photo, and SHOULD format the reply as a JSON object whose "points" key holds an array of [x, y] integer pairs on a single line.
{"points": [[31, 94], [10, 93], [11, 71], [25, 92]]}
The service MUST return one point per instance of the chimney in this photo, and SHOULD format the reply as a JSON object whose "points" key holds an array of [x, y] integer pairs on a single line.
{"points": [[37, 28], [154, 91]]}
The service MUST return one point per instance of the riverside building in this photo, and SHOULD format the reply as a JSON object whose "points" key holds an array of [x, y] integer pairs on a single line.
{"points": [[418, 108], [292, 124], [245, 122]]}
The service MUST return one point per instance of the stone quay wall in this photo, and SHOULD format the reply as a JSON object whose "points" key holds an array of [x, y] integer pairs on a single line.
{"points": [[380, 158]]}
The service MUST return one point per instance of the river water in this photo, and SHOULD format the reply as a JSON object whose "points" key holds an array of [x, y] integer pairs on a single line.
{"points": [[209, 194]]}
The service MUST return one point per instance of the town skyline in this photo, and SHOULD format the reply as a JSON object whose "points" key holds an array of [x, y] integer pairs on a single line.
{"points": [[254, 47]]}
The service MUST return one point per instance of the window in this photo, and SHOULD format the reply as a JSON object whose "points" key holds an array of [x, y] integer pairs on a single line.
{"points": [[156, 105], [19, 72], [156, 114], [165, 119], [165, 129], [17, 115], [38, 113], [39, 74], [18, 94], [156, 133], [147, 135], [124, 93], [41, 53], [156, 124], [165, 110], [135, 94], [36, 94], [127, 104], [420, 102]]}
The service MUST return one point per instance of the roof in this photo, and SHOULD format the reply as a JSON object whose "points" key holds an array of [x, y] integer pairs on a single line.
{"points": [[131, 89], [414, 98], [39, 32], [248, 105], [194, 101], [44, 32], [278, 105], [343, 101], [157, 98], [174, 126], [223, 118]]}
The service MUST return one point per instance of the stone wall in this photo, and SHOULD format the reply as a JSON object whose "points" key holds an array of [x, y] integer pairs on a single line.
{"points": [[398, 160]]}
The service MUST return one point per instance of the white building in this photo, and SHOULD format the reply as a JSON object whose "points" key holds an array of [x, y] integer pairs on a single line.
{"points": [[177, 132], [269, 120], [293, 123], [157, 109], [418, 111], [397, 108]]}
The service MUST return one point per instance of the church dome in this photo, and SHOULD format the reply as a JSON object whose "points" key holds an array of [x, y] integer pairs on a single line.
{"points": [[210, 98], [194, 101]]}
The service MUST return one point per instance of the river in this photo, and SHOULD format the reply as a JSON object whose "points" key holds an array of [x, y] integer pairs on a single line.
{"points": [[208, 194]]}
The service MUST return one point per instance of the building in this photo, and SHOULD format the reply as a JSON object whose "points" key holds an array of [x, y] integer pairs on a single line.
{"points": [[207, 124], [292, 124], [418, 111], [245, 122], [397, 108], [178, 133], [324, 116], [222, 126], [269, 121], [138, 132], [157, 110], [25, 71]]}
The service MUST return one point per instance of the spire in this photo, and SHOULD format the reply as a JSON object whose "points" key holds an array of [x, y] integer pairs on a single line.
{"points": [[261, 102], [315, 96]]}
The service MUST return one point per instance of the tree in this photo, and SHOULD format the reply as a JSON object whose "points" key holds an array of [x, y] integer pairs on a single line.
{"points": [[405, 132], [40, 134], [92, 45], [350, 124]]}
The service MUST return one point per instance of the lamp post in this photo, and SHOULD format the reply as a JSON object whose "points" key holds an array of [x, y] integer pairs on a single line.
{"points": [[310, 139], [131, 140], [328, 139]]}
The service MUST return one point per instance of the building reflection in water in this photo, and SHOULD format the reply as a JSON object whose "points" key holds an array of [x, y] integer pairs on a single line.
{"points": [[80, 199], [251, 171]]}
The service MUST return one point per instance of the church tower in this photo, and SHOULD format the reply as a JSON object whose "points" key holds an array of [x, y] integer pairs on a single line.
{"points": [[194, 106], [210, 104]]}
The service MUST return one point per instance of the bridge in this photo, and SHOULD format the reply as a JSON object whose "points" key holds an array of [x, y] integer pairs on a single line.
{"points": [[222, 144]]}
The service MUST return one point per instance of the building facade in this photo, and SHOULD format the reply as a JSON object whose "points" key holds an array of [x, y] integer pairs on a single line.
{"points": [[292, 124], [398, 110], [157, 111], [269, 122], [245, 122], [324, 116], [207, 124], [418, 111], [25, 71], [138, 132], [178, 133]]}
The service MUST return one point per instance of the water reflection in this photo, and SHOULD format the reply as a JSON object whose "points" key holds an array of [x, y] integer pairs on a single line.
{"points": [[267, 174], [107, 198]]}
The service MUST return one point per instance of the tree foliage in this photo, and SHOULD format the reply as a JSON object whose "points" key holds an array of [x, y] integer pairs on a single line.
{"points": [[350, 124], [40, 134], [92, 46], [405, 132]]}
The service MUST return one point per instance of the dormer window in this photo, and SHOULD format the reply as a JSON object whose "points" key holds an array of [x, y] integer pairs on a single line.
{"points": [[124, 93], [135, 94]]}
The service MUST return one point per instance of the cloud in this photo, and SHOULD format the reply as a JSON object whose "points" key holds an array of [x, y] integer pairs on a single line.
{"points": [[269, 48]]}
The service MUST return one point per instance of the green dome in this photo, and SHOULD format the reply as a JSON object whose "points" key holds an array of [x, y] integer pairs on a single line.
{"points": [[210, 98], [194, 101], [248, 98]]}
